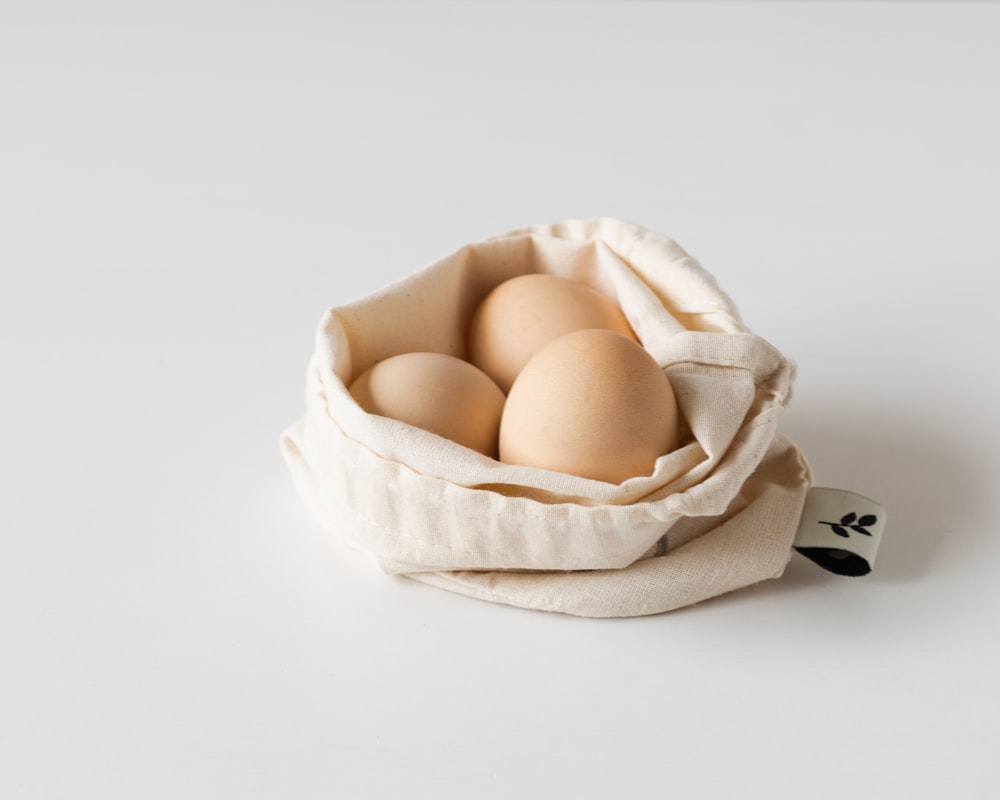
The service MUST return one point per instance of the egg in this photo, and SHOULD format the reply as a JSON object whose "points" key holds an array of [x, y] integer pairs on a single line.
{"points": [[591, 403], [523, 314], [437, 392]]}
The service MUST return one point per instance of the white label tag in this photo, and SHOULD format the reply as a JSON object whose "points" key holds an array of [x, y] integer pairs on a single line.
{"points": [[840, 530]]}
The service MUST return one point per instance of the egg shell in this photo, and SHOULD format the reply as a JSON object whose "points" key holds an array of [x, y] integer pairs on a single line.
{"points": [[437, 392], [592, 403], [523, 314]]}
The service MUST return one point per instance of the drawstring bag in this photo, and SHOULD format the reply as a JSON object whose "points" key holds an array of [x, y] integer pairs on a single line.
{"points": [[721, 512]]}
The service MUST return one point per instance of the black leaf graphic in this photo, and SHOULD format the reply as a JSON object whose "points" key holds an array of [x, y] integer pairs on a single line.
{"points": [[850, 520]]}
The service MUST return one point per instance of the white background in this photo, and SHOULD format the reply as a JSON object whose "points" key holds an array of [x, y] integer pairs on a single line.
{"points": [[184, 188]]}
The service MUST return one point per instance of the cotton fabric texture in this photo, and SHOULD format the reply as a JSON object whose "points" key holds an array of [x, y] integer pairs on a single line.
{"points": [[717, 514]]}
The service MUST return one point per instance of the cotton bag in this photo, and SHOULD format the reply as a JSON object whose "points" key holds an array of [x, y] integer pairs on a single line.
{"points": [[719, 513]]}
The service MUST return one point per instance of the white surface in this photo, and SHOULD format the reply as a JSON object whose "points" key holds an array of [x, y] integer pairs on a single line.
{"points": [[184, 190]]}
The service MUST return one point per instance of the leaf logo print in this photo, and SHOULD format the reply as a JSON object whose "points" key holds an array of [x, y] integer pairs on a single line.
{"points": [[852, 521]]}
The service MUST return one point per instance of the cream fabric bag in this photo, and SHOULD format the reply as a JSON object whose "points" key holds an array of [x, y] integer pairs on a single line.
{"points": [[717, 514]]}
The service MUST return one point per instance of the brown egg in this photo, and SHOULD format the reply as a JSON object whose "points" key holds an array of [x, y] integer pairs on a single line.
{"points": [[591, 403], [523, 314], [439, 393]]}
